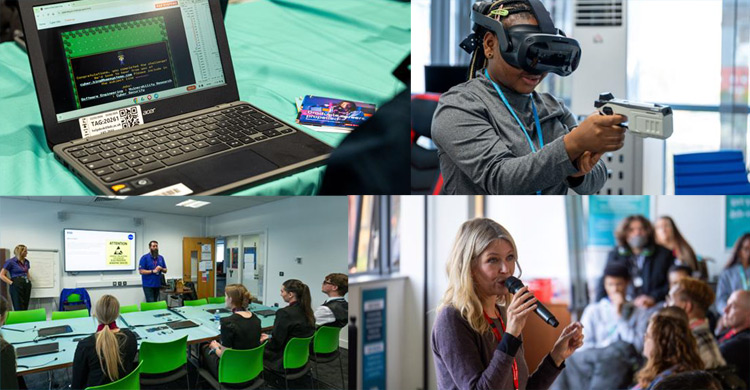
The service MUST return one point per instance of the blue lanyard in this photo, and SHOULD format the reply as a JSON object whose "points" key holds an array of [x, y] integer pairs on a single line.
{"points": [[536, 118], [744, 278]]}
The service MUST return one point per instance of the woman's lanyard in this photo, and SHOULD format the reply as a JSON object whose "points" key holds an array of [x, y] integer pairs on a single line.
{"points": [[498, 336], [743, 276], [22, 266], [536, 118]]}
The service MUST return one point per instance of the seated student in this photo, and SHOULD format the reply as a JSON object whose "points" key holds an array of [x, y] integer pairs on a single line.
{"points": [[689, 380], [736, 274], [678, 272], [735, 344], [669, 348], [295, 320], [335, 310], [647, 261], [107, 355], [8, 378], [668, 236], [695, 296], [613, 317], [613, 331], [241, 330]]}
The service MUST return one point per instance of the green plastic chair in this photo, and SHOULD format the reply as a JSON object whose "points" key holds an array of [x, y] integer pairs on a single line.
{"points": [[197, 302], [161, 358], [238, 366], [62, 315], [129, 382], [220, 299], [128, 309], [146, 306], [73, 298], [20, 317], [326, 349], [296, 357]]}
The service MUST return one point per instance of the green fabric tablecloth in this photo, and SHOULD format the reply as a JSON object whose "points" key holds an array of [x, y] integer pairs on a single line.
{"points": [[281, 49]]}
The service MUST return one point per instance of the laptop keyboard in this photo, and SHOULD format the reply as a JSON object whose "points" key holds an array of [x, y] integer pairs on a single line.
{"points": [[125, 156]]}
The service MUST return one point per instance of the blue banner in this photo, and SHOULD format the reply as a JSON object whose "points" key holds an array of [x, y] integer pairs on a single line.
{"points": [[373, 339], [738, 218], [606, 212]]}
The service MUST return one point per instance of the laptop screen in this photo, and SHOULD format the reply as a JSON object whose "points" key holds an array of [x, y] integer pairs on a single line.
{"points": [[105, 55]]}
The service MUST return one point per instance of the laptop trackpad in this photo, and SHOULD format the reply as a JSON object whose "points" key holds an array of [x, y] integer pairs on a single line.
{"points": [[223, 170]]}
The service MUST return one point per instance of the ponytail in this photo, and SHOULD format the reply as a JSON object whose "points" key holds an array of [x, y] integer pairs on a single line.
{"points": [[107, 345], [302, 292]]}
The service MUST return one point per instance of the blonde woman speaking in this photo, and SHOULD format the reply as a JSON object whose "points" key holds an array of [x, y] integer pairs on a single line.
{"points": [[476, 339]]}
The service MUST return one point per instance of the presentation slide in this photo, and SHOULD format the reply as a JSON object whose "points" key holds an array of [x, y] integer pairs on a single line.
{"points": [[95, 250]]}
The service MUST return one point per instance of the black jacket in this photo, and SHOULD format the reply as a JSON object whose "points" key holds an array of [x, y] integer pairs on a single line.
{"points": [[87, 370], [340, 309], [8, 379], [654, 272], [736, 351], [290, 322]]}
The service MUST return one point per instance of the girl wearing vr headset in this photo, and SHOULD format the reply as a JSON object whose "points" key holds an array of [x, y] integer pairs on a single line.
{"points": [[496, 135]]}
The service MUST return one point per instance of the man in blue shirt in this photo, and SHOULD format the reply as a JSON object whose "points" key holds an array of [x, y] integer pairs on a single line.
{"points": [[151, 267]]}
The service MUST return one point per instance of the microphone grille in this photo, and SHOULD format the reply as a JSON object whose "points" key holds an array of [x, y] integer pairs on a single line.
{"points": [[513, 284]]}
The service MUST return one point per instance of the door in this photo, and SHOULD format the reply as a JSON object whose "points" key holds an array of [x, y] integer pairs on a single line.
{"points": [[199, 264], [253, 264]]}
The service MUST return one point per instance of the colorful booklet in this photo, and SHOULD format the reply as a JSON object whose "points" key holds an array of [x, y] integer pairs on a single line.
{"points": [[327, 114]]}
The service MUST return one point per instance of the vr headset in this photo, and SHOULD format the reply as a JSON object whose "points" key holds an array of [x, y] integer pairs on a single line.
{"points": [[535, 49]]}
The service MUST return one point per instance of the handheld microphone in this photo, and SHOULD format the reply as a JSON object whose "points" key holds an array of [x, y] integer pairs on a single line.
{"points": [[514, 284]]}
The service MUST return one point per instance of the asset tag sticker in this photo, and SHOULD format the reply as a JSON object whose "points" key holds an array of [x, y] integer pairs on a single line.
{"points": [[110, 121], [175, 190]]}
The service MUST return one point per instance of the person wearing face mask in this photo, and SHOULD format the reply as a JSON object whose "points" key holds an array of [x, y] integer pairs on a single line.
{"points": [[496, 134], [151, 267], [647, 262]]}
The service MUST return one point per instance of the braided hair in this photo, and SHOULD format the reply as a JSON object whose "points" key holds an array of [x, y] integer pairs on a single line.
{"points": [[516, 10]]}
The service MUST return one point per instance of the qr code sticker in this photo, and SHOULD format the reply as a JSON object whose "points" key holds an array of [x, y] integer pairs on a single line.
{"points": [[129, 117]]}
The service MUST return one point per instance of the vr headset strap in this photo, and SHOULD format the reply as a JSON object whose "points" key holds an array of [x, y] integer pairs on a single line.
{"points": [[542, 17]]}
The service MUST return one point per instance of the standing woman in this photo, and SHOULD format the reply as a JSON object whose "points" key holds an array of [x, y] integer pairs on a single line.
{"points": [[668, 236], [736, 274], [15, 272], [107, 355], [476, 339]]}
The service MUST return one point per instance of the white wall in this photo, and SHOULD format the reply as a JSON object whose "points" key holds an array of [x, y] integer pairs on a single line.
{"points": [[36, 225], [702, 221], [538, 225], [314, 228]]}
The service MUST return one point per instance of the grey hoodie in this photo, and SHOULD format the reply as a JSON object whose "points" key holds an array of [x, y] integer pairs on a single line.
{"points": [[482, 149]]}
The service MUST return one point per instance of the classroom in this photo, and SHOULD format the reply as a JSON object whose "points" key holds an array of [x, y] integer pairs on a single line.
{"points": [[189, 281]]}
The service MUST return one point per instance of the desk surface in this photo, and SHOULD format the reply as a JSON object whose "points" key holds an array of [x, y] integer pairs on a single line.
{"points": [[149, 325], [281, 49]]}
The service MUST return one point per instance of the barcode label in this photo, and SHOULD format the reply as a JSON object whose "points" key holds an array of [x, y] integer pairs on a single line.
{"points": [[175, 190], [110, 121]]}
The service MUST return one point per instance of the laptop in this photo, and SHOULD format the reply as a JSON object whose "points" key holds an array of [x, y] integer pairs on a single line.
{"points": [[34, 350], [54, 330], [182, 324], [265, 313], [139, 97]]}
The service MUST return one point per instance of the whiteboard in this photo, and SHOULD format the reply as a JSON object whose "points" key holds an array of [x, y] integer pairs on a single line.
{"points": [[45, 273]]}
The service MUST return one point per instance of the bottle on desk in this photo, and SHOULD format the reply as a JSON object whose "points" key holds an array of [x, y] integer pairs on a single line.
{"points": [[217, 319]]}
